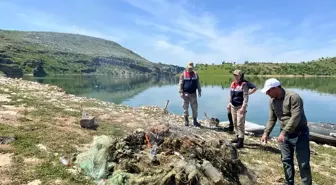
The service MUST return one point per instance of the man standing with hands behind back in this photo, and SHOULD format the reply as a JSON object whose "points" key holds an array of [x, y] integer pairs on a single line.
{"points": [[287, 106], [188, 84]]}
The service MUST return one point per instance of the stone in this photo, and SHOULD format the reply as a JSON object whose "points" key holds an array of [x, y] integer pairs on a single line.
{"points": [[88, 123]]}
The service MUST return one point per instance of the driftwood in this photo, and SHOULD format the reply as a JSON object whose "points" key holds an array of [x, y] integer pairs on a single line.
{"points": [[165, 110]]}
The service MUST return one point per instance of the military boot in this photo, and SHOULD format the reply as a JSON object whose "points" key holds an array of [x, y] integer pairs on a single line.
{"points": [[240, 143], [186, 121], [235, 140], [196, 124]]}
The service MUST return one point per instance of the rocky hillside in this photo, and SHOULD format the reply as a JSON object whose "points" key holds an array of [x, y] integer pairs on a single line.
{"points": [[43, 53]]}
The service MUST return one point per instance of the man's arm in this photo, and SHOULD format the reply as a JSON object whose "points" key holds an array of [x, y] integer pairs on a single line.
{"points": [[181, 84], [271, 119], [296, 111], [245, 95]]}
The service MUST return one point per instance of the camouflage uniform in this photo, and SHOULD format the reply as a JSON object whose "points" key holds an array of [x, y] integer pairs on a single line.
{"points": [[238, 99], [188, 84]]}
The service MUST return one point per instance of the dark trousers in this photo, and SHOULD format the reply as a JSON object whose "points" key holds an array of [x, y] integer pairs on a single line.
{"points": [[300, 144]]}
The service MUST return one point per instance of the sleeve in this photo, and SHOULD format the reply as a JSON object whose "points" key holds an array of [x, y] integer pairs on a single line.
{"points": [[251, 85], [296, 105], [271, 119], [245, 95], [181, 83]]}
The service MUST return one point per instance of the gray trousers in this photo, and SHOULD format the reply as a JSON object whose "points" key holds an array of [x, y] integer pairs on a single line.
{"points": [[190, 98], [300, 144], [238, 121]]}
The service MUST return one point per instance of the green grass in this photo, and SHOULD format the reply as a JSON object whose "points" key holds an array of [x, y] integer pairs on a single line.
{"points": [[213, 70]]}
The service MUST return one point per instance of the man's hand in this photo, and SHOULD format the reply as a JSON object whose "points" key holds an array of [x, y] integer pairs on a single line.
{"points": [[199, 94], [228, 108], [264, 139], [181, 94], [242, 110], [281, 138]]}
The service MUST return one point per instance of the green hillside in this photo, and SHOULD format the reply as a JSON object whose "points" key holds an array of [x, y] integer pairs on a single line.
{"points": [[322, 66], [42, 53]]}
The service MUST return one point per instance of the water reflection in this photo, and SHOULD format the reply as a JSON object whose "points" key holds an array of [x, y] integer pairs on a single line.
{"points": [[107, 88], [144, 90]]}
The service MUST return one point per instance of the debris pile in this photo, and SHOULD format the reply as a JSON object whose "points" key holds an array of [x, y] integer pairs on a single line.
{"points": [[160, 157]]}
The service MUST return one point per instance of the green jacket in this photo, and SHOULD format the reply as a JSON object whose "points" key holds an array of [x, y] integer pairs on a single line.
{"points": [[289, 110]]}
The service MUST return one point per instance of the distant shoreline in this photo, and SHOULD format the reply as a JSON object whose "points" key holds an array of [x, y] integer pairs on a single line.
{"points": [[290, 76]]}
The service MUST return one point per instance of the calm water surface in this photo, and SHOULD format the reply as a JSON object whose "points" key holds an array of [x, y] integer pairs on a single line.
{"points": [[319, 94]]}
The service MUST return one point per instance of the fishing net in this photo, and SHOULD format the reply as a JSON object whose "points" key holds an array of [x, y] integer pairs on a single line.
{"points": [[151, 158], [95, 161]]}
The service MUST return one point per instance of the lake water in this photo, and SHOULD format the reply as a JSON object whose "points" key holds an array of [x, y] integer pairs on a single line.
{"points": [[319, 94]]}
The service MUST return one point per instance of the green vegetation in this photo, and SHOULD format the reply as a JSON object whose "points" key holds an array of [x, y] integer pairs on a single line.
{"points": [[322, 66], [319, 84], [42, 53], [211, 69]]}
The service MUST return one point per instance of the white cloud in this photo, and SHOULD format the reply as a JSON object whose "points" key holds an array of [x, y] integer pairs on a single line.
{"points": [[252, 42]]}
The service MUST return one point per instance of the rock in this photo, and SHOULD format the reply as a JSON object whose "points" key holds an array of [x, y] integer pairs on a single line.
{"points": [[39, 71], [35, 182], [89, 123], [12, 70], [6, 139]]}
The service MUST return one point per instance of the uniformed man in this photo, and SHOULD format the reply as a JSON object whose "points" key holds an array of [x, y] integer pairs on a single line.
{"points": [[287, 107], [188, 85]]}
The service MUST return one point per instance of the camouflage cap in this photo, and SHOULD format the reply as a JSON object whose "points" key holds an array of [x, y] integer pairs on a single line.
{"points": [[237, 72], [190, 65]]}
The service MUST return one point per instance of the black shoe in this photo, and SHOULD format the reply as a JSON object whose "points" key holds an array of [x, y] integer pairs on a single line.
{"points": [[230, 128], [196, 124], [186, 121], [240, 143], [235, 140]]}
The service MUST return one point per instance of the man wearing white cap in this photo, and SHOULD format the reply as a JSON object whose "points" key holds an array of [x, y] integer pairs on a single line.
{"points": [[287, 107]]}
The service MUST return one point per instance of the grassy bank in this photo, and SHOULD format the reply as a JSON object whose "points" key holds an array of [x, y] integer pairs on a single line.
{"points": [[319, 67], [45, 122]]}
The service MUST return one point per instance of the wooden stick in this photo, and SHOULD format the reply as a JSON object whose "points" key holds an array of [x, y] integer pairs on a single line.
{"points": [[165, 110]]}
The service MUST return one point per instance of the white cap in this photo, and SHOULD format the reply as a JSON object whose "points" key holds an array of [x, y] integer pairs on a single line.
{"points": [[270, 83]]}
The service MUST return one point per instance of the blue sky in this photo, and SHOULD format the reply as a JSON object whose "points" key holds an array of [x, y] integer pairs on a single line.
{"points": [[175, 32]]}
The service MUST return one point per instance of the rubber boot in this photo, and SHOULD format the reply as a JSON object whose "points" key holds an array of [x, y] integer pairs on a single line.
{"points": [[186, 121], [230, 121], [196, 124], [235, 140], [240, 143]]}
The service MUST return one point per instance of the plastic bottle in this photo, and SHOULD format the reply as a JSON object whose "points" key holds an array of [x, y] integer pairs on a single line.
{"points": [[153, 152], [64, 161]]}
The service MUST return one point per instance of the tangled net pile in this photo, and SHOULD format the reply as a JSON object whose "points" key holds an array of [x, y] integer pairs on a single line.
{"points": [[160, 159]]}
